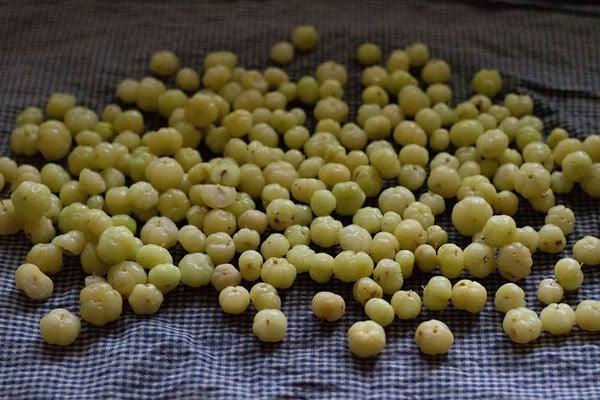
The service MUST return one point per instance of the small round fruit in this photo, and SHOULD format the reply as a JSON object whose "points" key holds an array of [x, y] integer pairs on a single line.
{"points": [[366, 338], [522, 325], [269, 325], [328, 306], [434, 337], [60, 326]]}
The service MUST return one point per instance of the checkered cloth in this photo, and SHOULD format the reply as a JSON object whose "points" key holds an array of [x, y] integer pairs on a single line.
{"points": [[191, 349]]}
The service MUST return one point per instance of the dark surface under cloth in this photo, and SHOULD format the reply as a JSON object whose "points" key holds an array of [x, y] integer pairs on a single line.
{"points": [[190, 349]]}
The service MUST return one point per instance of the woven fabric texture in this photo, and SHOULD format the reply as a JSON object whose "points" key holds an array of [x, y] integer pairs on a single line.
{"points": [[191, 349]]}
